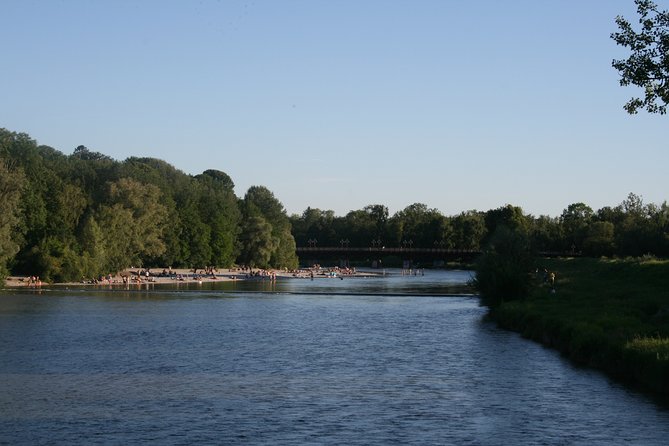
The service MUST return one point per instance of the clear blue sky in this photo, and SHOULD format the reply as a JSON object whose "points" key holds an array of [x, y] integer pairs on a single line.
{"points": [[339, 104]]}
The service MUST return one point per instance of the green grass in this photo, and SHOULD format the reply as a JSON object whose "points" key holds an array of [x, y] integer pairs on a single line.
{"points": [[609, 314], [654, 347]]}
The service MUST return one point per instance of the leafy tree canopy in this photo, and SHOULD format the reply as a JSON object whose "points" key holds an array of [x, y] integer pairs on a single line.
{"points": [[83, 153], [503, 271], [218, 177], [263, 212], [648, 64], [12, 182]]}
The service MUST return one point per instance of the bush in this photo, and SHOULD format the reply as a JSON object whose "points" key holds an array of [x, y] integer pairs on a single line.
{"points": [[503, 272], [650, 357]]}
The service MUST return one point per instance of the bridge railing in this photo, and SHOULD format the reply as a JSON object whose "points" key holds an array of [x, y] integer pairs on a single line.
{"points": [[384, 250], [401, 250]]}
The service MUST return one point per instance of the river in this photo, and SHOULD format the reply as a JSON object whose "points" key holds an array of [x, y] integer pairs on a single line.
{"points": [[391, 360]]}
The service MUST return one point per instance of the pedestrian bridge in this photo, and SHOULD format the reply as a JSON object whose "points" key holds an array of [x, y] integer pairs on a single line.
{"points": [[320, 253], [404, 253], [384, 250]]}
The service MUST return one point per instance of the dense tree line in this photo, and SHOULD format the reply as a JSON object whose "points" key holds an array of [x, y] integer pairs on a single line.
{"points": [[509, 239], [631, 228], [65, 217]]}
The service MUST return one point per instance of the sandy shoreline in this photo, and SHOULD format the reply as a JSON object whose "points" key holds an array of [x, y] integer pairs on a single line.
{"points": [[181, 275]]}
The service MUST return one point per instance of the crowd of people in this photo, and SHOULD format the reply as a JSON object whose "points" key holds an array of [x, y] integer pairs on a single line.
{"points": [[147, 276]]}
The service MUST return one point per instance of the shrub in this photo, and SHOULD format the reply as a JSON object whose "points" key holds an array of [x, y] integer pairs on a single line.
{"points": [[503, 272]]}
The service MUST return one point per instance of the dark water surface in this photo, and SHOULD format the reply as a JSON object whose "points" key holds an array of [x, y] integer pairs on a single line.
{"points": [[232, 366]]}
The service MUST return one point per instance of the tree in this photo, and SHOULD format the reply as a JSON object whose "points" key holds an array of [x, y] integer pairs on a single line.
{"points": [[634, 233], [91, 239], [219, 210], [379, 214], [67, 207], [133, 220], [503, 272], [11, 184], [261, 210], [600, 239], [510, 216], [195, 236], [547, 234], [262, 200], [648, 65], [284, 253], [420, 226], [359, 228], [575, 220], [83, 153], [469, 229], [186, 237], [661, 223], [257, 242], [314, 224]]}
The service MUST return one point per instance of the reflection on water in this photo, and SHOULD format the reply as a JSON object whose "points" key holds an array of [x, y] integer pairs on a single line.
{"points": [[388, 281], [182, 366]]}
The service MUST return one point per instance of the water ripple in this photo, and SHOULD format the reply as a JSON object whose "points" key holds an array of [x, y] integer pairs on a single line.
{"points": [[294, 369]]}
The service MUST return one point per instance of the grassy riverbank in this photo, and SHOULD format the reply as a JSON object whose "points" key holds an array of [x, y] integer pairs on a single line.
{"points": [[609, 314]]}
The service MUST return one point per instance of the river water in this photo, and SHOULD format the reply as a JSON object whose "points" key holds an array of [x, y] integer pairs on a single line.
{"points": [[393, 360]]}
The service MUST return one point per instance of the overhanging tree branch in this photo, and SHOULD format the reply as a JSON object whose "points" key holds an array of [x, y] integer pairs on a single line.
{"points": [[648, 65]]}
